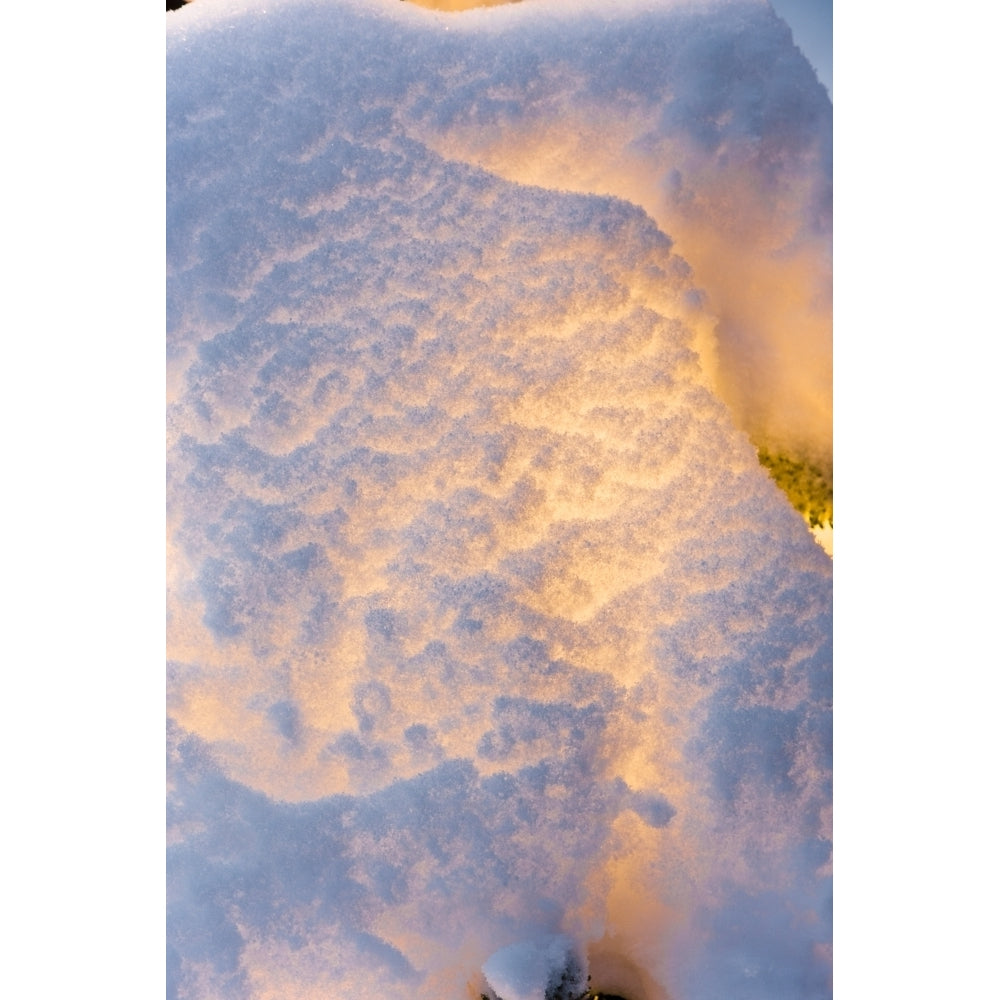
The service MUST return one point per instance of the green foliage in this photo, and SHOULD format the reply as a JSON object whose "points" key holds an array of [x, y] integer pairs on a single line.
{"points": [[808, 488]]}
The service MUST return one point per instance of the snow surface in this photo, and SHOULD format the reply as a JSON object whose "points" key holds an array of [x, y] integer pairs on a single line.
{"points": [[527, 969], [485, 623]]}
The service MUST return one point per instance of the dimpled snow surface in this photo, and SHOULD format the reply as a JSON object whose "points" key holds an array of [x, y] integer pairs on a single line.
{"points": [[486, 626]]}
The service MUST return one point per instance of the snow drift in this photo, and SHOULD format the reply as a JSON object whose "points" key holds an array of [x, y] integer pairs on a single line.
{"points": [[485, 623]]}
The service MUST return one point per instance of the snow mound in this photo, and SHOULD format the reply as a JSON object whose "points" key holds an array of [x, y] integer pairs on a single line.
{"points": [[548, 968], [485, 622]]}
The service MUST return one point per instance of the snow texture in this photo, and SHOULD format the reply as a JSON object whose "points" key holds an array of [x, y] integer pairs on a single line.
{"points": [[485, 623], [535, 970]]}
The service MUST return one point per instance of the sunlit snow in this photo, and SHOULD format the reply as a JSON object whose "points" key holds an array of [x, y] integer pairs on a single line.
{"points": [[487, 629]]}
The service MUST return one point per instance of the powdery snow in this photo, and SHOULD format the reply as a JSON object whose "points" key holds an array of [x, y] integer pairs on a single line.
{"points": [[485, 623], [531, 970]]}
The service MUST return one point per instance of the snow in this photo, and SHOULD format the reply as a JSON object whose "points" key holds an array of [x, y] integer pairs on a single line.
{"points": [[486, 627], [527, 969]]}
